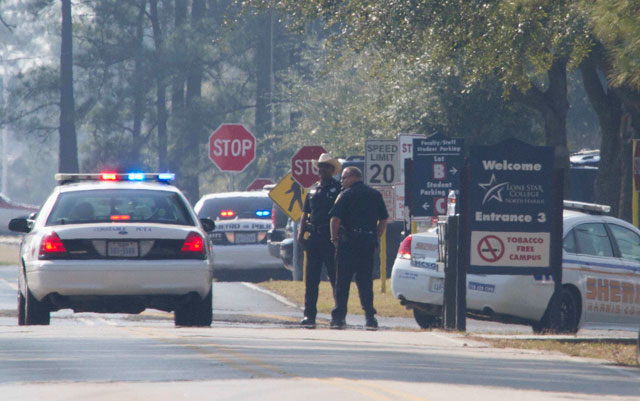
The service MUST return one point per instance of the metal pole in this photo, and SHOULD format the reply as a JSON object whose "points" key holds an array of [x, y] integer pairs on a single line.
{"points": [[383, 263], [450, 273]]}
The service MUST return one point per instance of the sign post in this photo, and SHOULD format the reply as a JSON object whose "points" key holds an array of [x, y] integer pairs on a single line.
{"points": [[302, 169], [232, 147]]}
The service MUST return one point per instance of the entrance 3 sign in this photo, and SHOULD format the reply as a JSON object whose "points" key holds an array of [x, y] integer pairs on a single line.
{"points": [[511, 205]]}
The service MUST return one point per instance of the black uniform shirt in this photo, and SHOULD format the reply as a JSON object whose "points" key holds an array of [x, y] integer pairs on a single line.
{"points": [[319, 201], [360, 207]]}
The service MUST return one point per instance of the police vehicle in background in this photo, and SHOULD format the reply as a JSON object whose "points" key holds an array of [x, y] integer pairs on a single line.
{"points": [[600, 279], [240, 239], [115, 243]]}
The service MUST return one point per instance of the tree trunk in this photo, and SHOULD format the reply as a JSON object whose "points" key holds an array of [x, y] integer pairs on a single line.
{"points": [[190, 174], [161, 88], [630, 129], [178, 81], [553, 105], [264, 75], [608, 108], [68, 151], [139, 91]]}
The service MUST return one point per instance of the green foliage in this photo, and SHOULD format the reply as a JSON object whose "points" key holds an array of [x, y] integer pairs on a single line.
{"points": [[616, 23]]}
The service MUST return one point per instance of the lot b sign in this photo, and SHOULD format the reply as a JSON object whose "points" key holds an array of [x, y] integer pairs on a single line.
{"points": [[232, 147], [512, 213]]}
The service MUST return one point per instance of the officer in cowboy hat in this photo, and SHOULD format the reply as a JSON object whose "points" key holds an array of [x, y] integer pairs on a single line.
{"points": [[315, 221]]}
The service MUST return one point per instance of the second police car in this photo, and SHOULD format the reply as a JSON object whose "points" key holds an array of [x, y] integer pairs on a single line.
{"points": [[600, 278], [115, 243]]}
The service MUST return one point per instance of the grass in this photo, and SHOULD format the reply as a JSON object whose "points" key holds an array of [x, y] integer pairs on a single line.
{"points": [[619, 352], [385, 303]]}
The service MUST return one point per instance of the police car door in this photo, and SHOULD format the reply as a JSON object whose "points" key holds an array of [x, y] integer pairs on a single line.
{"points": [[598, 267], [625, 289]]}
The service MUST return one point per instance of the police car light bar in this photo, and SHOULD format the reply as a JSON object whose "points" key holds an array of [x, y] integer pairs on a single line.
{"points": [[64, 178], [586, 207]]}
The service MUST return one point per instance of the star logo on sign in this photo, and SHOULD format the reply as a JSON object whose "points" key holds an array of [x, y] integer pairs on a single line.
{"points": [[493, 190]]}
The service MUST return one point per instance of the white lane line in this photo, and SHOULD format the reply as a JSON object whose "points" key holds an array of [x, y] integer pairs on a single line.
{"points": [[9, 284], [277, 297]]}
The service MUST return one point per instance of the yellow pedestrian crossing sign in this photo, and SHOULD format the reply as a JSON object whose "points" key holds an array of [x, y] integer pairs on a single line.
{"points": [[289, 196]]}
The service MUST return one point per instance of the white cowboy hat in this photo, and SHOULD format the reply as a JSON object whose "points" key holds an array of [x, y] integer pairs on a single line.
{"points": [[328, 159]]}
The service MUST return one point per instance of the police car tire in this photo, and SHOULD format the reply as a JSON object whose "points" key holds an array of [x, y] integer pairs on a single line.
{"points": [[35, 312], [21, 308], [638, 348], [566, 319], [426, 321], [195, 314]]}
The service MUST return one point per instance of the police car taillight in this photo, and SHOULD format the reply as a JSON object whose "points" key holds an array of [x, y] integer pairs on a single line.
{"points": [[193, 244], [404, 251], [227, 214], [51, 245]]}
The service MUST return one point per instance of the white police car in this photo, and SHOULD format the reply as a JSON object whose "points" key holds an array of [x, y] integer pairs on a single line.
{"points": [[115, 243], [600, 278], [243, 220]]}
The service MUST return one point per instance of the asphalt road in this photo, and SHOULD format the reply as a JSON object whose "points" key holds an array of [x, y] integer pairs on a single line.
{"points": [[255, 351]]}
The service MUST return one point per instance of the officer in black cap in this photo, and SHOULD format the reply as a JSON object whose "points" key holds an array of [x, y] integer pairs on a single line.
{"points": [[315, 221], [358, 220]]}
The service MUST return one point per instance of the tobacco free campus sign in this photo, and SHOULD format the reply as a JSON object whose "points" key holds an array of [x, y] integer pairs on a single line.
{"points": [[511, 208]]}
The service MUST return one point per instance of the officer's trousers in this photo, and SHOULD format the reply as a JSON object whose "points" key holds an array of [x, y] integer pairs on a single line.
{"points": [[355, 257], [320, 251]]}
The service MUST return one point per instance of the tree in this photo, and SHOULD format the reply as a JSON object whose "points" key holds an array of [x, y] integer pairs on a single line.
{"points": [[68, 159]]}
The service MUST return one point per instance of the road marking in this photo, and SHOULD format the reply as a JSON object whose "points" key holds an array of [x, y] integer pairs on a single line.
{"points": [[363, 387], [273, 294], [9, 284]]}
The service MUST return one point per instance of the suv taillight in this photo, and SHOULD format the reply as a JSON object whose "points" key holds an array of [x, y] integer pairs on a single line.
{"points": [[51, 246], [404, 251], [194, 244]]}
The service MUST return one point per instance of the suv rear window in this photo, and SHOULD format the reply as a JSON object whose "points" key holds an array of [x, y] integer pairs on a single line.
{"points": [[243, 207], [119, 205]]}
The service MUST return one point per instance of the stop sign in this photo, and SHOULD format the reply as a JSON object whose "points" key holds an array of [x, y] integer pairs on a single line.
{"points": [[258, 184], [232, 147], [301, 168]]}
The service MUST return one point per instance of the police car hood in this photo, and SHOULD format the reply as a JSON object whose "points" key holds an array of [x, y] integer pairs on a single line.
{"points": [[124, 231], [244, 225]]}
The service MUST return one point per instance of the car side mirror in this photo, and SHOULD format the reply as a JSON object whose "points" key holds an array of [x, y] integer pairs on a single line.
{"points": [[20, 225], [208, 224]]}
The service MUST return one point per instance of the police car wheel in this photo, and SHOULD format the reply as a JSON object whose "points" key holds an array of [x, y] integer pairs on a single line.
{"points": [[565, 317], [426, 321], [35, 312], [21, 308], [198, 313]]}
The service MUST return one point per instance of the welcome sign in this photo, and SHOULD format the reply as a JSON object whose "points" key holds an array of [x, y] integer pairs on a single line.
{"points": [[511, 208]]}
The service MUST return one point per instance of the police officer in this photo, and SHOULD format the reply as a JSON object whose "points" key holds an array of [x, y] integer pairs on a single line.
{"points": [[358, 220], [315, 221]]}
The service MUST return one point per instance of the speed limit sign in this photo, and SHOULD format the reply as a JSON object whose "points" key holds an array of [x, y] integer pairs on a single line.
{"points": [[381, 162]]}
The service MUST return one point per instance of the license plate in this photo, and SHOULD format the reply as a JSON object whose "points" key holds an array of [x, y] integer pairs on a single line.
{"points": [[246, 238], [122, 249], [437, 285]]}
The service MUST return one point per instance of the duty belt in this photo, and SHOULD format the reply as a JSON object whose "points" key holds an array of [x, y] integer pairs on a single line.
{"points": [[362, 231]]}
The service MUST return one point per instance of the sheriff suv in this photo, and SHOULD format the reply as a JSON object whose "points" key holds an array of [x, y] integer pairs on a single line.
{"points": [[600, 279], [115, 243]]}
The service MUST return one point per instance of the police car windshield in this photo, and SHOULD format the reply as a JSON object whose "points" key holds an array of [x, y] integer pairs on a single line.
{"points": [[120, 206]]}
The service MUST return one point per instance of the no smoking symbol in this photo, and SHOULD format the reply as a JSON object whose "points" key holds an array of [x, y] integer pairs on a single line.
{"points": [[490, 248]]}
